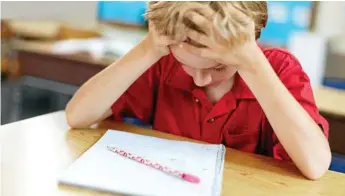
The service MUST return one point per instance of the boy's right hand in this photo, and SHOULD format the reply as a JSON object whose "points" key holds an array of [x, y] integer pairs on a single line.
{"points": [[158, 43]]}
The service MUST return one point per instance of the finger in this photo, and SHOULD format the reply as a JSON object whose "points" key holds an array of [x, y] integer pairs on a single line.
{"points": [[180, 32], [165, 40], [199, 20], [160, 39], [240, 15], [207, 12], [199, 38], [151, 25], [202, 52], [152, 28], [157, 5]]}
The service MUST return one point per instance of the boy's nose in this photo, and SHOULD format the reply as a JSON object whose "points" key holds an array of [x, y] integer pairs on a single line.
{"points": [[202, 79]]}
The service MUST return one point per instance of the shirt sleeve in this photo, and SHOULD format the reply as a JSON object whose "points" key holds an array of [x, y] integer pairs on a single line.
{"points": [[297, 82], [139, 99]]}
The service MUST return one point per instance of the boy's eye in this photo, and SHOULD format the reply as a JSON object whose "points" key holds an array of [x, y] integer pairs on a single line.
{"points": [[188, 40], [220, 69]]}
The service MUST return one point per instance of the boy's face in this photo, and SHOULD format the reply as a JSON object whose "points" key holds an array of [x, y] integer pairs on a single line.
{"points": [[205, 72]]}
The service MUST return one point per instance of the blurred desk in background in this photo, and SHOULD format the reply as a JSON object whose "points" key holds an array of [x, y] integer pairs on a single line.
{"points": [[37, 59], [56, 57], [331, 103], [41, 69], [71, 71]]}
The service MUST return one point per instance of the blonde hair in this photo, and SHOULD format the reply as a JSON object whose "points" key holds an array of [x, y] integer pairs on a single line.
{"points": [[169, 17]]}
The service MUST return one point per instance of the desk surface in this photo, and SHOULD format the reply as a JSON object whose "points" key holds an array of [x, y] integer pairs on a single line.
{"points": [[37, 150]]}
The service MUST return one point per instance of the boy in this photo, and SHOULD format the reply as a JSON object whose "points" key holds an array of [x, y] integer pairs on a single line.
{"points": [[199, 73]]}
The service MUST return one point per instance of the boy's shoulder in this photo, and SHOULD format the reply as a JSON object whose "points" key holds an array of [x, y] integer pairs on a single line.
{"points": [[281, 59], [277, 53]]}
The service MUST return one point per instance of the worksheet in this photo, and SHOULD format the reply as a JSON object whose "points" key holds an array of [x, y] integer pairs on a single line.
{"points": [[101, 169]]}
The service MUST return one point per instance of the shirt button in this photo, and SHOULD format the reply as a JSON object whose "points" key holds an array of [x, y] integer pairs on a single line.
{"points": [[211, 120], [197, 100]]}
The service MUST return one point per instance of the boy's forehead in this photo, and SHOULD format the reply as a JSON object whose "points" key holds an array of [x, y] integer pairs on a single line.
{"points": [[191, 60]]}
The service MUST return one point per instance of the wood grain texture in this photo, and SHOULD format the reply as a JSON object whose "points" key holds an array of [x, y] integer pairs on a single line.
{"points": [[37, 150]]}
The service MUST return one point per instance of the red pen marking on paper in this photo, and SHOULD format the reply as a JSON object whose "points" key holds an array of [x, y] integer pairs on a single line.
{"points": [[139, 159]]}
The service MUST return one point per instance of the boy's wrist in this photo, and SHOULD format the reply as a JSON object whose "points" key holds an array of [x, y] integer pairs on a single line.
{"points": [[251, 60], [262, 67], [153, 51], [253, 55]]}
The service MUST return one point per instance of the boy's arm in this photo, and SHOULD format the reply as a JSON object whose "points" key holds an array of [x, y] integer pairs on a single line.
{"points": [[295, 128], [298, 133], [92, 101]]}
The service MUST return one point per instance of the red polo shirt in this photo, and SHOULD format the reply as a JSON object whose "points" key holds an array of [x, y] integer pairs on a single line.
{"points": [[167, 98]]}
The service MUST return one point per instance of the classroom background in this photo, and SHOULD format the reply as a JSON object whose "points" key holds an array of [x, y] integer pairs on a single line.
{"points": [[48, 49]]}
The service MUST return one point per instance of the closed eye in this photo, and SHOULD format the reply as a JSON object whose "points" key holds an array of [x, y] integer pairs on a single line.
{"points": [[219, 69]]}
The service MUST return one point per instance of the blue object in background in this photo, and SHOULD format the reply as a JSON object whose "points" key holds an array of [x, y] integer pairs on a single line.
{"points": [[338, 163], [129, 12], [136, 121], [284, 18], [335, 83]]}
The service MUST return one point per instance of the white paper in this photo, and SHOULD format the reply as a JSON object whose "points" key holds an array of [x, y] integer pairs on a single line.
{"points": [[98, 168], [310, 49]]}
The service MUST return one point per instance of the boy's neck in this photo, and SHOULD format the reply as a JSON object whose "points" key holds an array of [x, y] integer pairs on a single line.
{"points": [[215, 93]]}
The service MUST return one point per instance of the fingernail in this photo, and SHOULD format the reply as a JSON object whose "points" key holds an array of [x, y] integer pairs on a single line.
{"points": [[181, 45]]}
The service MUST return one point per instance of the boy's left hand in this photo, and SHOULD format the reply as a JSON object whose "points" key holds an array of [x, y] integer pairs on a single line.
{"points": [[232, 48]]}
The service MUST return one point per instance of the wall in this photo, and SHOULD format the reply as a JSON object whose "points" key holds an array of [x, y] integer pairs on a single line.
{"points": [[79, 12], [330, 19]]}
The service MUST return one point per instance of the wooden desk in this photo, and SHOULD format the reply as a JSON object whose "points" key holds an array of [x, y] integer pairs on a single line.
{"points": [[37, 150], [36, 60], [331, 103], [40, 68]]}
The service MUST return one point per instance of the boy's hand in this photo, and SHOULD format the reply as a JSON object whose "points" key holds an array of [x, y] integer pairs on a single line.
{"points": [[158, 43], [234, 48]]}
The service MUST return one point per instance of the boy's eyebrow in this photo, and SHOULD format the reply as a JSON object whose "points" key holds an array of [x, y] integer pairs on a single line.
{"points": [[217, 66]]}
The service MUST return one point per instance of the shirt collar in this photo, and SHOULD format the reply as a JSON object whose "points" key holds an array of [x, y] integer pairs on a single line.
{"points": [[179, 79]]}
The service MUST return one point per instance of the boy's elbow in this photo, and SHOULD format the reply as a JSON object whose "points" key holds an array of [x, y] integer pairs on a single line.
{"points": [[316, 174], [73, 119], [317, 169]]}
